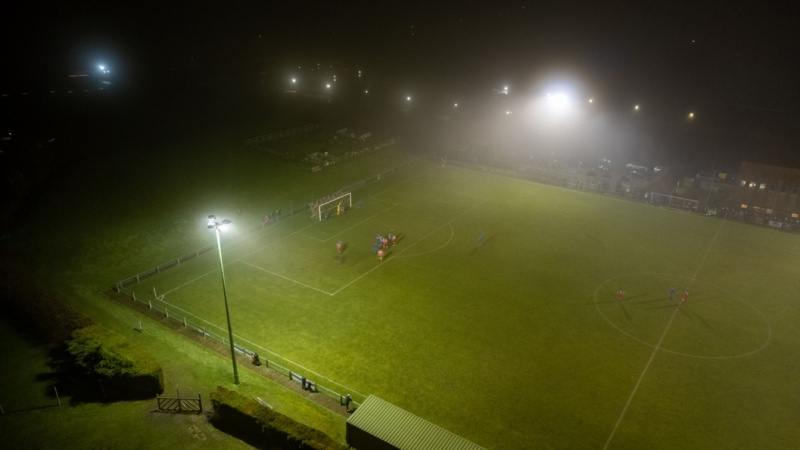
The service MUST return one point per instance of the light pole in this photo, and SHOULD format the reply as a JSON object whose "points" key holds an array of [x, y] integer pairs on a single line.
{"points": [[212, 223]]}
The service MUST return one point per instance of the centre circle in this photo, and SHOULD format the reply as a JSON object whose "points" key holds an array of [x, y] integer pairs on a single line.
{"points": [[711, 323]]}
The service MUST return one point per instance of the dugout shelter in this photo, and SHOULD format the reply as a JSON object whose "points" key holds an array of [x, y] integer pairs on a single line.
{"points": [[380, 425]]}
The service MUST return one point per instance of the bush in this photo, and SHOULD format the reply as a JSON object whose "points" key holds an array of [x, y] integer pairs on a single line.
{"points": [[128, 371], [263, 427]]}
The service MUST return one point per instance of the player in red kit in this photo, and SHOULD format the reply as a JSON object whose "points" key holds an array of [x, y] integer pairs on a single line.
{"points": [[620, 293], [685, 295]]}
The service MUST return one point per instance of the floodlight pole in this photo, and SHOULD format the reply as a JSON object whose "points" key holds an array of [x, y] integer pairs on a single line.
{"points": [[227, 311]]}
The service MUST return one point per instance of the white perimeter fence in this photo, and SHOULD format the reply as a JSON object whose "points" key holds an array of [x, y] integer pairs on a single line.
{"points": [[199, 326]]}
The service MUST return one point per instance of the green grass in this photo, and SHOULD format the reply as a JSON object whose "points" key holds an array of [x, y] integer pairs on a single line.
{"points": [[22, 384], [33, 418], [517, 344]]}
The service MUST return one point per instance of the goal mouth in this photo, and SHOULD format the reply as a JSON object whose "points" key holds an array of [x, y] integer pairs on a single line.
{"points": [[334, 204], [673, 202]]}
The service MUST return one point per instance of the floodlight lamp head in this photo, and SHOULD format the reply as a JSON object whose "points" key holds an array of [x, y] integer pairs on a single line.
{"points": [[212, 221]]}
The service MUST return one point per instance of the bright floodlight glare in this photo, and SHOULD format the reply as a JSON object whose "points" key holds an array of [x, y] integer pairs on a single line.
{"points": [[636, 107], [560, 101], [102, 67], [328, 85], [455, 104], [294, 80], [224, 225], [408, 98], [691, 115]]}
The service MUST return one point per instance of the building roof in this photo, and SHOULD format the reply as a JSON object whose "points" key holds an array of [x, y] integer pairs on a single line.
{"points": [[403, 429], [766, 172]]}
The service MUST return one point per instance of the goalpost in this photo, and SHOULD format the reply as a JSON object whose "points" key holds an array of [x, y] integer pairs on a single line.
{"points": [[675, 202], [334, 204]]}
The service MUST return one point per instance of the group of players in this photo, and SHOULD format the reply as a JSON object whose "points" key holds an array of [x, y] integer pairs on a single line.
{"points": [[382, 244], [379, 248]]}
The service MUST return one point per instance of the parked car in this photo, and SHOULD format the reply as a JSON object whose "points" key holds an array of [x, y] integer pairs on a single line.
{"points": [[631, 167]]}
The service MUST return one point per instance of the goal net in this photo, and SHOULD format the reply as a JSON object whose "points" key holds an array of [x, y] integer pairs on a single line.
{"points": [[672, 201], [332, 205]]}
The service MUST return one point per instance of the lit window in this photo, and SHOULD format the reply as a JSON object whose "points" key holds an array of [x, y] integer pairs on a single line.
{"points": [[742, 183], [762, 186], [752, 184]]}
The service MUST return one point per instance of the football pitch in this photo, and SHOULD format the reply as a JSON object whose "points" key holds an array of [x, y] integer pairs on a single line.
{"points": [[496, 314]]}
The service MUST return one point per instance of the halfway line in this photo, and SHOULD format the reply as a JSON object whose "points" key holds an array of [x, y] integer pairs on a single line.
{"points": [[658, 345]]}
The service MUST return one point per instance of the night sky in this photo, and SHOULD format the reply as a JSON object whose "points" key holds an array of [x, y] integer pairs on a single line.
{"points": [[733, 63]]}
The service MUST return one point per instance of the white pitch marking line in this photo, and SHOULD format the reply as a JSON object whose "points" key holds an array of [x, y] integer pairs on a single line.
{"points": [[446, 224], [350, 228], [241, 339], [658, 345], [190, 281], [286, 278]]}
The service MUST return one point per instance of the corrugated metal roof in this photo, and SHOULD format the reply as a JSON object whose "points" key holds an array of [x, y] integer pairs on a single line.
{"points": [[404, 430]]}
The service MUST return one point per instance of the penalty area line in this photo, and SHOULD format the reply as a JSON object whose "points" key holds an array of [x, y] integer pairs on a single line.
{"points": [[287, 278], [400, 253]]}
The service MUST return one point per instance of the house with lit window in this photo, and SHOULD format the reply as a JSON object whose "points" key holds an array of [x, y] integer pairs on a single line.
{"points": [[768, 194]]}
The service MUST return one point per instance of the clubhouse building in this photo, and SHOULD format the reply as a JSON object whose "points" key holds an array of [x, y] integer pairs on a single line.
{"points": [[768, 195]]}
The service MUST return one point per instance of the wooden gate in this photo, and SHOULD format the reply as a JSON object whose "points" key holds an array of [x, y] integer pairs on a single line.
{"points": [[180, 405]]}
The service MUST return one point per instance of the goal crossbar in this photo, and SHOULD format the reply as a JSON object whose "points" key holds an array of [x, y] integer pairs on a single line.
{"points": [[334, 202], [672, 201]]}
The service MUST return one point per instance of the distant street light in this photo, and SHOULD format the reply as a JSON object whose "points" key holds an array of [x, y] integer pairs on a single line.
{"points": [[212, 223]]}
